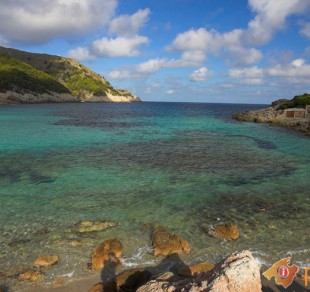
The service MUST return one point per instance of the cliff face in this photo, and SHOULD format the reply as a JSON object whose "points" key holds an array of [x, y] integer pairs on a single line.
{"points": [[57, 77], [293, 114]]}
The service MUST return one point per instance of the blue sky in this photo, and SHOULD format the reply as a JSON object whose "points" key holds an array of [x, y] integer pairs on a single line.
{"points": [[232, 51]]}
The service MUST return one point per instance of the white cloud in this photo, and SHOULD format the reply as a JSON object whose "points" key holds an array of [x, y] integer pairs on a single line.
{"points": [[31, 21], [202, 42], [187, 59], [296, 69], [151, 66], [192, 40], [118, 47], [305, 30], [170, 91], [270, 17], [296, 72], [129, 25], [248, 76], [238, 45], [190, 59], [119, 74], [202, 74], [241, 56], [127, 43], [252, 72], [298, 62], [80, 54]]}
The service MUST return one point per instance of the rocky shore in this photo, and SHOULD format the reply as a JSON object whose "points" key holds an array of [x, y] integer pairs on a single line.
{"points": [[278, 114], [237, 272]]}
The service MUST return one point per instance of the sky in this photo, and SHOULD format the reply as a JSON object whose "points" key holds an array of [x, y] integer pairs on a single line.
{"points": [[223, 51]]}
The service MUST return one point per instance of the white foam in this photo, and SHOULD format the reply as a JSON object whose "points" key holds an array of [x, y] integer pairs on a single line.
{"points": [[137, 258]]}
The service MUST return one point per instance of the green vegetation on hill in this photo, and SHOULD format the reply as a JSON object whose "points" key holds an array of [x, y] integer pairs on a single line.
{"points": [[301, 100], [80, 83], [74, 77], [21, 77], [297, 101]]}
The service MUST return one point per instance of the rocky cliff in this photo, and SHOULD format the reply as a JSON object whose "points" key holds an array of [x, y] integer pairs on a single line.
{"points": [[32, 78], [293, 114]]}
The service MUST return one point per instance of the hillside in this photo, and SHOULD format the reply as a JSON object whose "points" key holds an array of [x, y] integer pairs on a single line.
{"points": [[26, 74], [293, 114]]}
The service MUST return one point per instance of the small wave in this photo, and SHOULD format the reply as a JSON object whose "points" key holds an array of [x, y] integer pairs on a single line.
{"points": [[137, 258]]}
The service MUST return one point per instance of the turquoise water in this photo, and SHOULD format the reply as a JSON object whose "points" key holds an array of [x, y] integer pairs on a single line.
{"points": [[177, 165]]}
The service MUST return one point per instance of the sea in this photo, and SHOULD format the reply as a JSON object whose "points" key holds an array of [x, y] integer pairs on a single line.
{"points": [[182, 166]]}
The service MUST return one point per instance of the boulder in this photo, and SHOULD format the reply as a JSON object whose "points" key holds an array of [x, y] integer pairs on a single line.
{"points": [[236, 273], [195, 270], [46, 261], [110, 250], [165, 243], [227, 231], [90, 226], [32, 276]]}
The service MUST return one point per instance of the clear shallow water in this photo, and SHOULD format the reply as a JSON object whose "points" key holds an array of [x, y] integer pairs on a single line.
{"points": [[172, 164]]}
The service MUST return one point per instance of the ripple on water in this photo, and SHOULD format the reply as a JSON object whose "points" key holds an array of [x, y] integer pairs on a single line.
{"points": [[177, 166]]}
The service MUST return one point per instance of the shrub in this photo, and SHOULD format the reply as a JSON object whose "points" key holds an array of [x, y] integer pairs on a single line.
{"points": [[19, 76]]}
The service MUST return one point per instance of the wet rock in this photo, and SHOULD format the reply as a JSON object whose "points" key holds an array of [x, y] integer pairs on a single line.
{"points": [[238, 273], [132, 279], [165, 243], [91, 226], [227, 231], [195, 270], [46, 261], [32, 276], [109, 250]]}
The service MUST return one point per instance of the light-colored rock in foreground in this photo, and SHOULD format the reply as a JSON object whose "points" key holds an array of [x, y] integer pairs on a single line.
{"points": [[165, 243], [46, 261], [236, 273], [109, 250]]}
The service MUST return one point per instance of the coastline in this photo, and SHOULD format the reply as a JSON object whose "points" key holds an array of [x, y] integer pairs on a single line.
{"points": [[274, 118], [11, 97], [234, 272], [94, 281]]}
